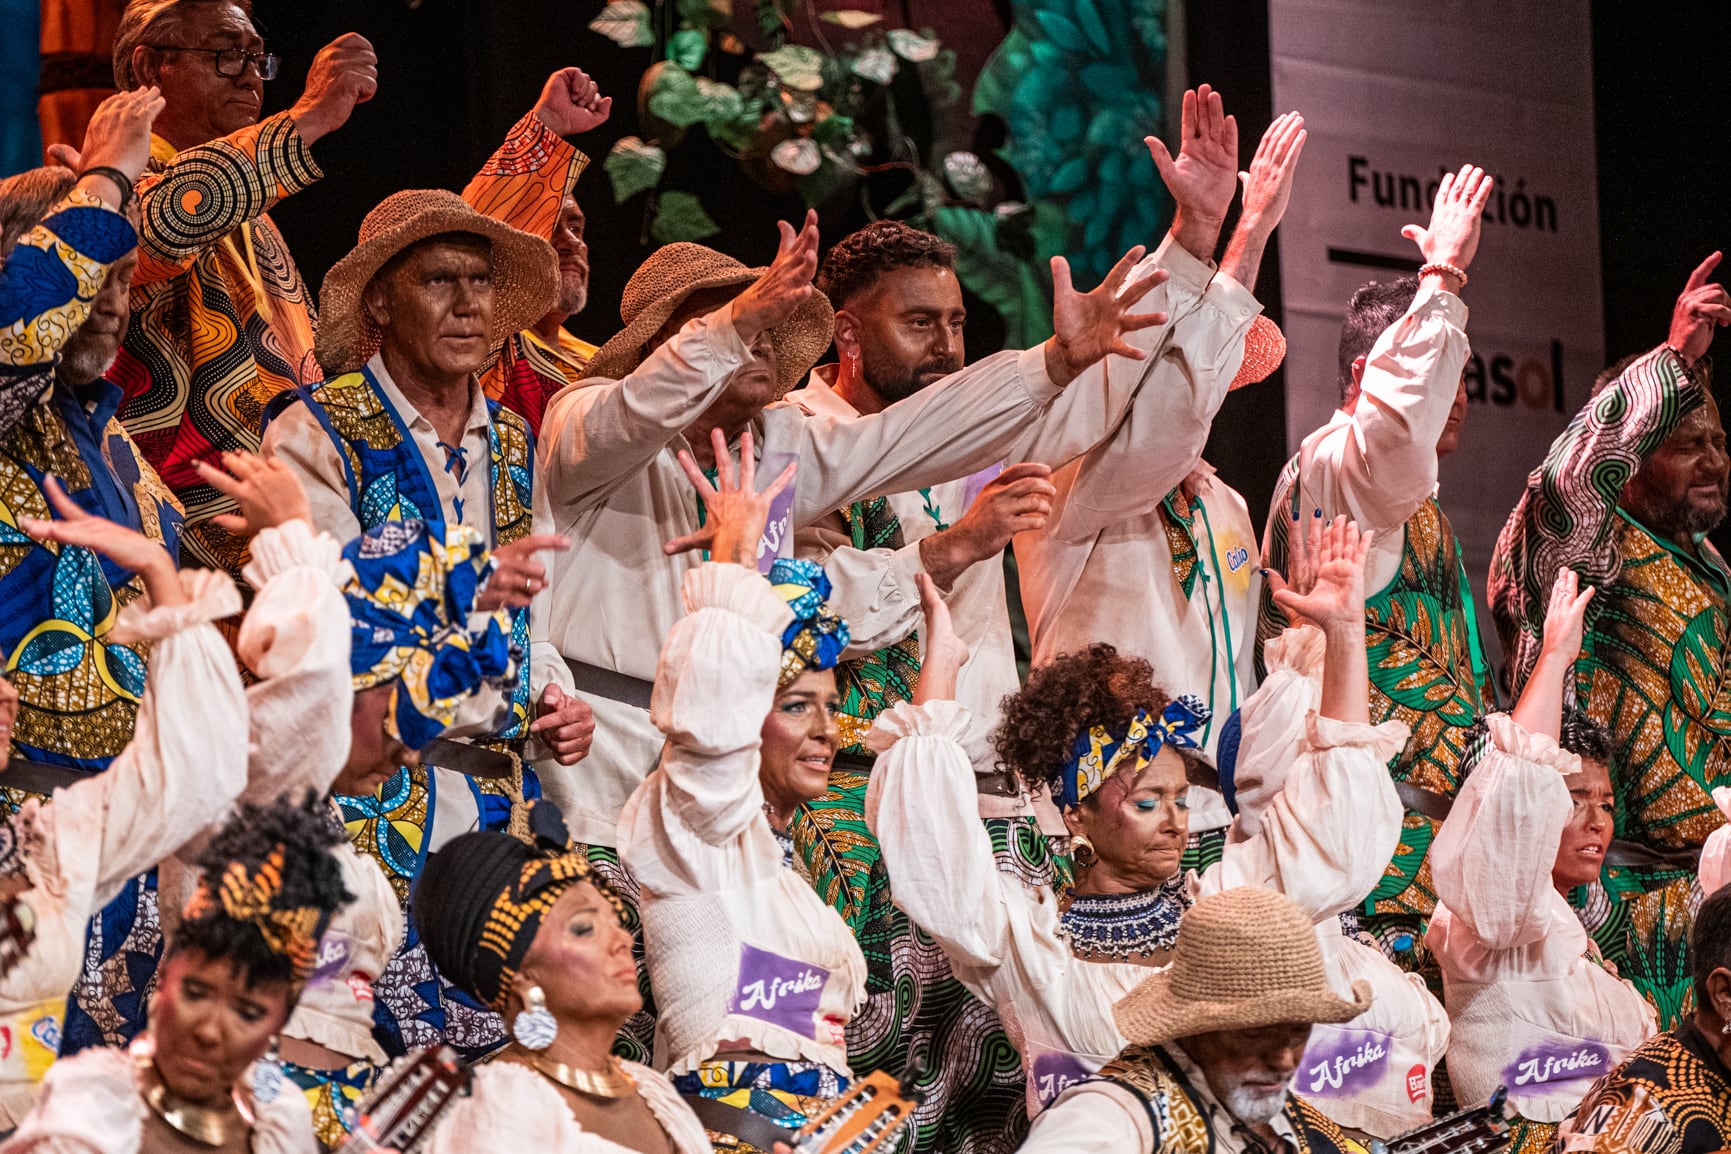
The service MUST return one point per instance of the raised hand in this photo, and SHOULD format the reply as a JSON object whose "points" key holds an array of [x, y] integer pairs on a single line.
{"points": [[784, 286], [1267, 190], [1702, 307], [127, 548], [1017, 500], [344, 73], [565, 725], [518, 573], [1204, 175], [1566, 616], [734, 514], [571, 103], [1091, 326], [942, 653], [118, 135], [1335, 598], [1453, 235], [266, 490]]}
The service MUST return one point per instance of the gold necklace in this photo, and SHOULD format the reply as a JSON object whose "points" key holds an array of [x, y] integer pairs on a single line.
{"points": [[202, 1124], [610, 1082]]}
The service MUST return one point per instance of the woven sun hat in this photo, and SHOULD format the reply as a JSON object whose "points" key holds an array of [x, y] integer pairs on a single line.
{"points": [[1264, 349], [1245, 958], [525, 273], [676, 271]]}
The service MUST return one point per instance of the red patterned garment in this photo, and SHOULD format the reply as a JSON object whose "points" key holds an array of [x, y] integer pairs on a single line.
{"points": [[221, 319], [522, 184]]}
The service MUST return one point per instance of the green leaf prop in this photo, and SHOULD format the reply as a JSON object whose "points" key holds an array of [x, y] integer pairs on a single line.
{"points": [[877, 65], [679, 216], [1012, 286], [633, 167], [911, 46], [676, 97], [799, 67], [687, 47], [626, 23]]}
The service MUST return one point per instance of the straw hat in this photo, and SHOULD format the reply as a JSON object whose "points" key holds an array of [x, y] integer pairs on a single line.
{"points": [[1245, 958], [676, 271], [1264, 349], [525, 273]]}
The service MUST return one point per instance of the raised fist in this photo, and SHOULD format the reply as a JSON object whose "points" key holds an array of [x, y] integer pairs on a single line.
{"points": [[344, 73]]}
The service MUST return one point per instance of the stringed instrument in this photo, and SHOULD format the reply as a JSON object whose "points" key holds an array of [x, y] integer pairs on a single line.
{"points": [[408, 1102], [1476, 1131], [865, 1118]]}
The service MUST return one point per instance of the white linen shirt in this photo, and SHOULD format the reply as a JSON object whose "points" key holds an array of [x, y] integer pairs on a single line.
{"points": [[608, 451], [1378, 463], [742, 949], [1532, 1008], [1101, 570], [512, 1108], [1324, 841]]}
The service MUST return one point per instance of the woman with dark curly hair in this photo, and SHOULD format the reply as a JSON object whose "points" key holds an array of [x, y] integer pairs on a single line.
{"points": [[247, 942], [1320, 821]]}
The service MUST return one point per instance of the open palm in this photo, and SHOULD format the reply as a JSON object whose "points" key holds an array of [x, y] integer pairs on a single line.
{"points": [[1204, 176], [1336, 593]]}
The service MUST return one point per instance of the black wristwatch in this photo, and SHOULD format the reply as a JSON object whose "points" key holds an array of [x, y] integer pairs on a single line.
{"points": [[119, 179]]}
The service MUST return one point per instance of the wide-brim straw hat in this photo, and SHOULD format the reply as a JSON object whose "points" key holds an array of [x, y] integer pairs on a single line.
{"points": [[525, 273], [1264, 349], [676, 271], [1245, 958]]}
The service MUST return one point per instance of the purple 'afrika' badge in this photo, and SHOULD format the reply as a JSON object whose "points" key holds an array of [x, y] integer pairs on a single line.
{"points": [[782, 991]]}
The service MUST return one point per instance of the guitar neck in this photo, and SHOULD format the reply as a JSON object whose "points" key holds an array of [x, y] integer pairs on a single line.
{"points": [[1475, 1131]]}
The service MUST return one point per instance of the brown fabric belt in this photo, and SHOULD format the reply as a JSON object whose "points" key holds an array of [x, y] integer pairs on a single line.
{"points": [[742, 1124], [40, 777], [468, 760], [1619, 853], [610, 683]]}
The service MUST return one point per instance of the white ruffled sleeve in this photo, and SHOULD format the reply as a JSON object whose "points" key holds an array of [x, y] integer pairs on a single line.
{"points": [[296, 639], [715, 684], [89, 1104], [1272, 723], [1327, 836], [284, 1126], [1093, 1118], [186, 762], [1716, 850], [1491, 861], [513, 1108], [923, 808]]}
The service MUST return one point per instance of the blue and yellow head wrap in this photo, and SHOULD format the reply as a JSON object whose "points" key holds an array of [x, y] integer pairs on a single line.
{"points": [[411, 595], [1100, 753], [817, 636]]}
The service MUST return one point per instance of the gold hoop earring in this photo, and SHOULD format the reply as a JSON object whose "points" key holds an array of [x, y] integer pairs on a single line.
{"points": [[1082, 852]]}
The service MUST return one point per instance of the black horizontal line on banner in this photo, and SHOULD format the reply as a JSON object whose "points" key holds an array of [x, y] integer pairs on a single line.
{"points": [[1371, 259]]}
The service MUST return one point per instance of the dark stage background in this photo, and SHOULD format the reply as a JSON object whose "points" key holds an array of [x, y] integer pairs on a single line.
{"points": [[454, 75]]}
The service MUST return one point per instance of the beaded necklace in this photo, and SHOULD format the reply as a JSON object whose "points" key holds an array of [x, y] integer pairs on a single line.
{"points": [[1126, 926]]}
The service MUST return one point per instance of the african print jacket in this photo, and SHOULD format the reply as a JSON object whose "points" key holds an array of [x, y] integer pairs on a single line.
{"points": [[1653, 660], [1671, 1096], [1181, 1119], [221, 320], [1427, 670], [523, 184]]}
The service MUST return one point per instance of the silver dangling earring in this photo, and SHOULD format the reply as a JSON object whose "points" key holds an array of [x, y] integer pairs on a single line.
{"points": [[267, 1076], [535, 1027]]}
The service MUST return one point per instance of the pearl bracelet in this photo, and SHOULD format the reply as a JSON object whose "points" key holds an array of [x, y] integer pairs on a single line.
{"points": [[1458, 273]]}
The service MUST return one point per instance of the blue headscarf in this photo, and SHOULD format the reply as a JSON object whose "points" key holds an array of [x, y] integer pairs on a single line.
{"points": [[817, 636], [1100, 753], [411, 589]]}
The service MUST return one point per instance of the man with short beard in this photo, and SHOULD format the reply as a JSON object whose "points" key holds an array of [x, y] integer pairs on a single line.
{"points": [[1215, 1040], [1626, 497]]}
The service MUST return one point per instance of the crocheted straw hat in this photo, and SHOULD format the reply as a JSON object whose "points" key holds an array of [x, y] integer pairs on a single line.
{"points": [[525, 273], [1264, 349], [1245, 958], [676, 271]]}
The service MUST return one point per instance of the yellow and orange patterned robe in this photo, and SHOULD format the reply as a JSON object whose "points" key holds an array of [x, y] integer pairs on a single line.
{"points": [[221, 319]]}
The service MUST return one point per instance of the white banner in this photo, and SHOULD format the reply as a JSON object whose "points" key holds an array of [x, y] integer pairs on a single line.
{"points": [[1393, 95]]}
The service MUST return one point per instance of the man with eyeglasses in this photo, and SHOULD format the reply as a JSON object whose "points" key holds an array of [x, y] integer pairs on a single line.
{"points": [[221, 319]]}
